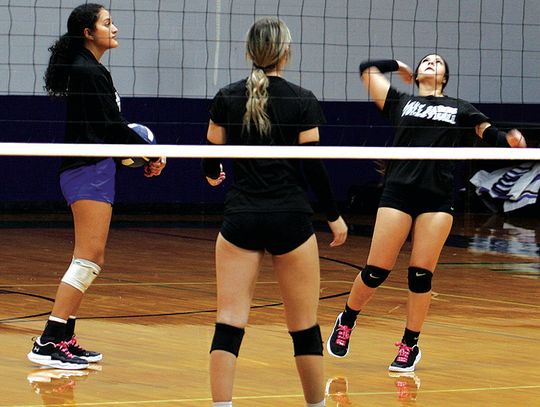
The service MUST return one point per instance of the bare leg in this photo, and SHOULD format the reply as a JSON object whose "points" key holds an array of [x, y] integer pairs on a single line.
{"points": [[391, 230], [430, 231], [298, 274], [92, 220], [236, 274]]}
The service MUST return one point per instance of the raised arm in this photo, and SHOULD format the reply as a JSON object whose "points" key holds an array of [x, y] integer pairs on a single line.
{"points": [[377, 85]]}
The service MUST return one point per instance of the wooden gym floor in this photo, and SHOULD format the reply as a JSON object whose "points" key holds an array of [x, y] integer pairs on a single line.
{"points": [[151, 313]]}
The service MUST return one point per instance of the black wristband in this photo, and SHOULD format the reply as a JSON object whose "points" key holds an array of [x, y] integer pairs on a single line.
{"points": [[211, 166], [383, 65], [494, 137]]}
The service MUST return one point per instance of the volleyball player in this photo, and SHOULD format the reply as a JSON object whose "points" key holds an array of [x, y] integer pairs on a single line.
{"points": [[417, 194], [266, 209], [88, 184]]}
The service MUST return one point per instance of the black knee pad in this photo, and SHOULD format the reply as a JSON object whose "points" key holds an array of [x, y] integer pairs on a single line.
{"points": [[374, 276], [419, 280], [227, 338], [308, 341]]}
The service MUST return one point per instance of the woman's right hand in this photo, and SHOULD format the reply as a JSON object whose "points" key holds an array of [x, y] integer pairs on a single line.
{"points": [[406, 73], [339, 230], [154, 167], [216, 181]]}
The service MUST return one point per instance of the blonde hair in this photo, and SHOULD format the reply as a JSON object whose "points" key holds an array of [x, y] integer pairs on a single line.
{"points": [[267, 42]]}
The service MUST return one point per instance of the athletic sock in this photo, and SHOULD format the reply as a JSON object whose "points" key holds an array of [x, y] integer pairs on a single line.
{"points": [[349, 316], [55, 330], [70, 327], [410, 338]]}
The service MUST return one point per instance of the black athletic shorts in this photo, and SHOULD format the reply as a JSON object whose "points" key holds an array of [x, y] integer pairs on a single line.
{"points": [[276, 232], [414, 201]]}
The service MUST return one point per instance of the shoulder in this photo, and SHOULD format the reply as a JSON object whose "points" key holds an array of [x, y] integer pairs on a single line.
{"points": [[394, 94], [395, 100], [86, 66], [292, 88], [233, 88], [461, 104]]}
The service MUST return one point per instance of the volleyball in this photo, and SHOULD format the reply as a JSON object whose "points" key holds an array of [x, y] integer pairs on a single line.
{"points": [[147, 136]]}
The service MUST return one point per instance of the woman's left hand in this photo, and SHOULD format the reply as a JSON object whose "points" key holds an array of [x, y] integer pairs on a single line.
{"points": [[339, 230], [516, 139], [154, 168]]}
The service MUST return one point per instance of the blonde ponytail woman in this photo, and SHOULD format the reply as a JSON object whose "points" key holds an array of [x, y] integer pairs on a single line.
{"points": [[266, 210]]}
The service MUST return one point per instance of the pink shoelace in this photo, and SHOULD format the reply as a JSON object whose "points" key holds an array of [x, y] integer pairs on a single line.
{"points": [[403, 353], [63, 346], [73, 342], [344, 333]]}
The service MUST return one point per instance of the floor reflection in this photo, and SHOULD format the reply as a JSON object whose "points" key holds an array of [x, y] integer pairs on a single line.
{"points": [[57, 386], [502, 235], [337, 391], [407, 386]]}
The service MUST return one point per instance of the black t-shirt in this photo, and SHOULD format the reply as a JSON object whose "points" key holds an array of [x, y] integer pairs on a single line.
{"points": [[427, 121], [267, 185], [93, 110]]}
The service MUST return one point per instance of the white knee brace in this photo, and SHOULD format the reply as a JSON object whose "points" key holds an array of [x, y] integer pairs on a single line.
{"points": [[81, 273]]}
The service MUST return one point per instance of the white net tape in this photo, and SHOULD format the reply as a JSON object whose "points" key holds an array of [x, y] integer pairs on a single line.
{"points": [[334, 152]]}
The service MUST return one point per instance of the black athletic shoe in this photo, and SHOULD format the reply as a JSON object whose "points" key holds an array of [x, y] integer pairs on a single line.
{"points": [[406, 359], [77, 350], [55, 355], [338, 343]]}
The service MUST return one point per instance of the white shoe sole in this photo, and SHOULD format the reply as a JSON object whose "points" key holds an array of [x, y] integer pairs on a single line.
{"points": [[407, 369], [47, 361], [92, 359]]}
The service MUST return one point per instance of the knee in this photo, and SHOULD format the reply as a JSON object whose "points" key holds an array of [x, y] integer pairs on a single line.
{"points": [[307, 341], [98, 257], [419, 280], [227, 338], [81, 273], [374, 276]]}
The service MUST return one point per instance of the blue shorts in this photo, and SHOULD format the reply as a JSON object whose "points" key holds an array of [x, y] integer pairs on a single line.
{"points": [[414, 201], [95, 182], [276, 232]]}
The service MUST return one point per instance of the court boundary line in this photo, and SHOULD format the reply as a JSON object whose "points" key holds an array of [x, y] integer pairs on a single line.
{"points": [[273, 397]]}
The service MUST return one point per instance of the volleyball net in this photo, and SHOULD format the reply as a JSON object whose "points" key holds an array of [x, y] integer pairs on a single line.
{"points": [[191, 48], [175, 55]]}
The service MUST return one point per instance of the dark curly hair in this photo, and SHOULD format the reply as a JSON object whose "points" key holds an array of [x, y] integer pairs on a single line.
{"points": [[64, 49]]}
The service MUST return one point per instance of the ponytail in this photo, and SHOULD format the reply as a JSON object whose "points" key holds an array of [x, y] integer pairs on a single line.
{"points": [[267, 43], [257, 92], [57, 73]]}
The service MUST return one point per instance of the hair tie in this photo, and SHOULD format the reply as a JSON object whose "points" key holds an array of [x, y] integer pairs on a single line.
{"points": [[263, 68]]}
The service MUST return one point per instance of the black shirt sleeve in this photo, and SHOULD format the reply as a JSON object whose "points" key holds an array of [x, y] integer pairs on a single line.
{"points": [[312, 114], [218, 109], [469, 115], [392, 103]]}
